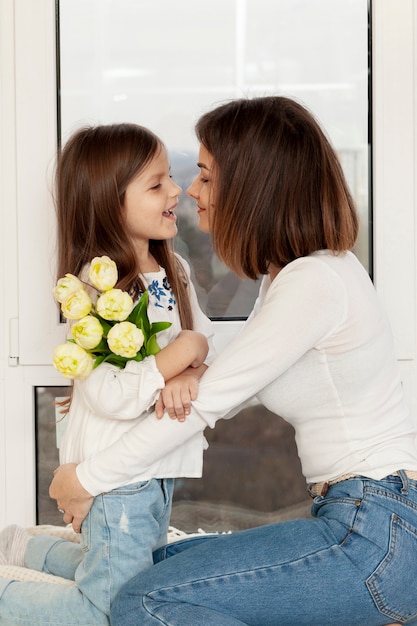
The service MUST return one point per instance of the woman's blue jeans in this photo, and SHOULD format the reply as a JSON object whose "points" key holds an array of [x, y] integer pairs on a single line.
{"points": [[119, 535], [353, 564]]}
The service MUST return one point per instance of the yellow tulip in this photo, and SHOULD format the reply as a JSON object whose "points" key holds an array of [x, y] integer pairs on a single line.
{"points": [[115, 305], [87, 332], [103, 273], [77, 305], [125, 339], [66, 286], [72, 361]]}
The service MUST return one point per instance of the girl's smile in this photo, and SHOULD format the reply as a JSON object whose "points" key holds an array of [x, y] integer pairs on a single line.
{"points": [[170, 214]]}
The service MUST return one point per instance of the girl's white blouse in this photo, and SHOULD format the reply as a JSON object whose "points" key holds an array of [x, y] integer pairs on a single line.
{"points": [[111, 401]]}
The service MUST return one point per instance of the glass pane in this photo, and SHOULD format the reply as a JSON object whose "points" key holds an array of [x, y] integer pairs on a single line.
{"points": [[161, 64], [252, 476], [255, 451], [48, 422]]}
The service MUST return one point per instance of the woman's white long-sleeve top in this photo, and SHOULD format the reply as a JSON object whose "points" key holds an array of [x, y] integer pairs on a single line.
{"points": [[111, 401], [316, 350]]}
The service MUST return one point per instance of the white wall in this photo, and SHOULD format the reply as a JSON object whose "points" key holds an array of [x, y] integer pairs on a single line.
{"points": [[394, 172], [27, 131], [27, 136]]}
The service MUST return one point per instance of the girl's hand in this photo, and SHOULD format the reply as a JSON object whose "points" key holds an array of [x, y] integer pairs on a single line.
{"points": [[70, 495], [176, 397]]}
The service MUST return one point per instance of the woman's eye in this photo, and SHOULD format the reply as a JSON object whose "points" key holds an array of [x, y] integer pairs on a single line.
{"points": [[204, 180]]}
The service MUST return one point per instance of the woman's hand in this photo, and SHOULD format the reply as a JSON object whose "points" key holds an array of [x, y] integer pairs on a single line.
{"points": [[70, 495]]}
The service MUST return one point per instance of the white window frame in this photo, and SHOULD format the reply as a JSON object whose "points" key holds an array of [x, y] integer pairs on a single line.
{"points": [[394, 109]]}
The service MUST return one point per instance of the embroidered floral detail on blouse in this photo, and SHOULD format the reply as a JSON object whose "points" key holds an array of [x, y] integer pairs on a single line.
{"points": [[161, 295]]}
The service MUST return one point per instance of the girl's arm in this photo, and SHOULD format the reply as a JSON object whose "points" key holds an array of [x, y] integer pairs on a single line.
{"points": [[124, 394], [181, 388], [189, 349]]}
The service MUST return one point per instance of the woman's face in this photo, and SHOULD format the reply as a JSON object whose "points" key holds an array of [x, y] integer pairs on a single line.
{"points": [[201, 189]]}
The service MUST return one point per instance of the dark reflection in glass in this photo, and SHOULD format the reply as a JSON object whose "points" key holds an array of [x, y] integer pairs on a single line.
{"points": [[251, 474]]}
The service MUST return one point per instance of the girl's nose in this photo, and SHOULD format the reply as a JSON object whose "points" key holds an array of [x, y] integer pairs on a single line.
{"points": [[177, 191]]}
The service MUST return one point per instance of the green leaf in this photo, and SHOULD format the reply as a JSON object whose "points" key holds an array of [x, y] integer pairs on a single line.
{"points": [[101, 347], [106, 324], [99, 360], [140, 312], [152, 345], [156, 327], [115, 359]]}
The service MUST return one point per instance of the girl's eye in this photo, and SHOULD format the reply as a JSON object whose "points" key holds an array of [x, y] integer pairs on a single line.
{"points": [[204, 180], [156, 186]]}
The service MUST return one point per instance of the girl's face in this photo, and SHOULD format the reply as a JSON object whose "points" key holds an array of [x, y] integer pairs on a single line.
{"points": [[150, 201], [201, 189]]}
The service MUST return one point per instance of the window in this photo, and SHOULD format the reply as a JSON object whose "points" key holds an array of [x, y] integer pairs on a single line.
{"points": [[162, 64], [28, 145]]}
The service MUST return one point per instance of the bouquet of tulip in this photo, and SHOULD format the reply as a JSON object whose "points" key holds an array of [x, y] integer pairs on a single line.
{"points": [[111, 330]]}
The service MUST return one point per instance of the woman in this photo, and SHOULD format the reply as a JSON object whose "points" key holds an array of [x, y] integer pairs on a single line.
{"points": [[317, 350]]}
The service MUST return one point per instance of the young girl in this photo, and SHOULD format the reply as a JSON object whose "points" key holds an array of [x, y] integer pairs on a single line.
{"points": [[115, 197]]}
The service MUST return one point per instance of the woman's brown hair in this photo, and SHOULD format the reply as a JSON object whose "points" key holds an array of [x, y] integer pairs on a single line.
{"points": [[280, 192], [93, 171]]}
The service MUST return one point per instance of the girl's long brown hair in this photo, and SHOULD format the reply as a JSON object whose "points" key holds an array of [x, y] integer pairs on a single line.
{"points": [[280, 192], [93, 171]]}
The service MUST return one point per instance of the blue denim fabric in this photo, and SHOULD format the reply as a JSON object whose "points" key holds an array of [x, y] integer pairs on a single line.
{"points": [[353, 564], [118, 537], [52, 555]]}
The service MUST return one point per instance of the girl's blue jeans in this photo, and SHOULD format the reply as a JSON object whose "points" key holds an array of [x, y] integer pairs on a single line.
{"points": [[118, 538], [353, 564]]}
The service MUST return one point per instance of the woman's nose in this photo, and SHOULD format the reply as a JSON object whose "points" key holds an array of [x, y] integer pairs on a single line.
{"points": [[192, 191]]}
